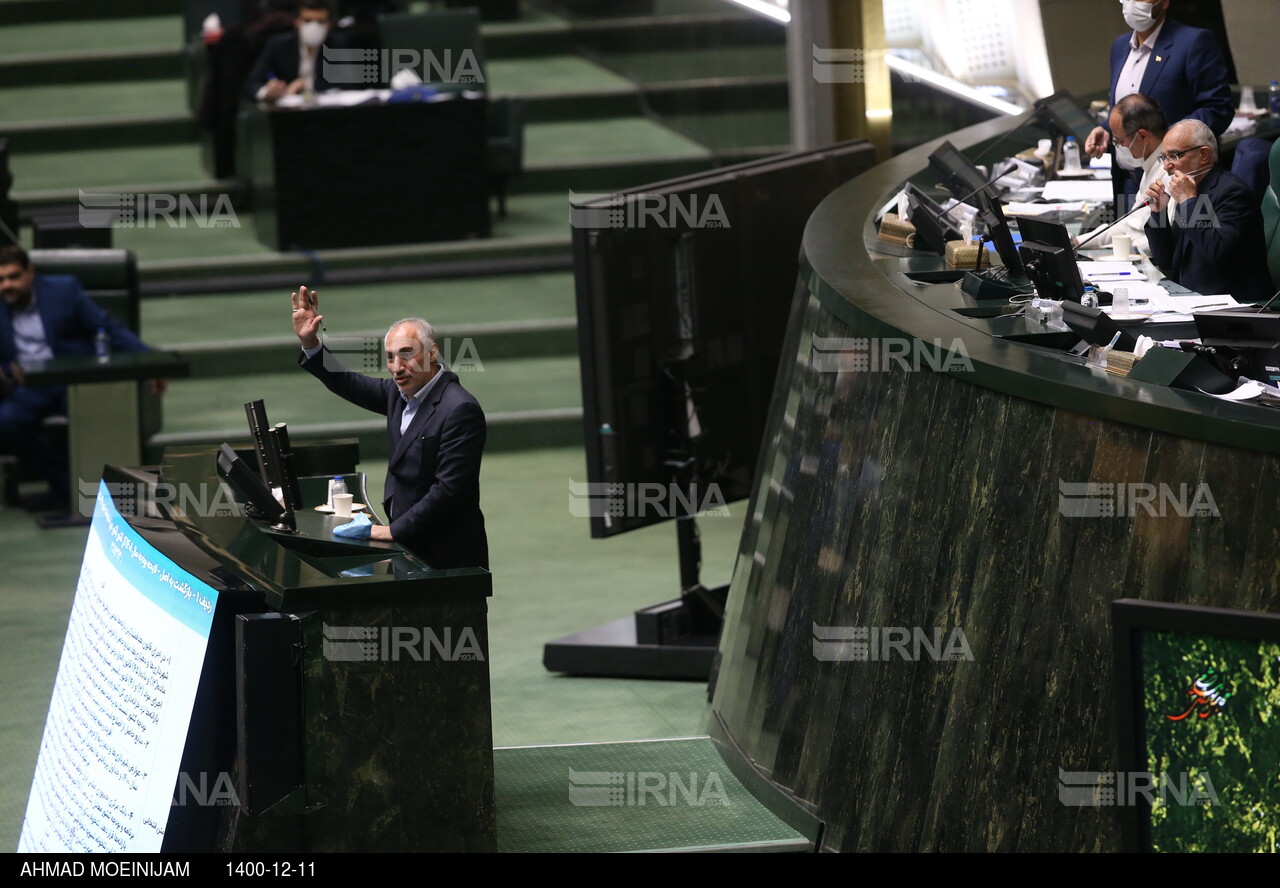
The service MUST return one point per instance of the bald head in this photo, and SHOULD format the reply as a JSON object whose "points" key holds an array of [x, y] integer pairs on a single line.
{"points": [[412, 355], [1193, 136]]}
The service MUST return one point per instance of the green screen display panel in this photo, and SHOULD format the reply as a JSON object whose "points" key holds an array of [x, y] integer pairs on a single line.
{"points": [[1199, 718]]}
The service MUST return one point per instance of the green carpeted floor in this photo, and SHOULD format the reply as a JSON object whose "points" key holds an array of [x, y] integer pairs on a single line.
{"points": [[546, 143], [93, 169], [662, 66], [182, 320], [79, 100], [550, 579], [501, 386], [550, 74], [664, 795], [91, 36]]}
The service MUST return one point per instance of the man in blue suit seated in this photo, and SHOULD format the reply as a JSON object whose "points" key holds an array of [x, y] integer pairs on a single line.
{"points": [[1180, 67], [1206, 230], [292, 63], [436, 430], [44, 317]]}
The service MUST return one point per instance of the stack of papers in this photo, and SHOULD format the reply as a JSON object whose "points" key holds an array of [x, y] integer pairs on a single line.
{"points": [[1161, 306], [1078, 189], [1248, 390], [1014, 208], [1106, 272], [1242, 125], [336, 98]]}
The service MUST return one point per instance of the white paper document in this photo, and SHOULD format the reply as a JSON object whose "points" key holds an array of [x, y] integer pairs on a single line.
{"points": [[1078, 189], [1248, 390], [1014, 208], [1165, 307], [1110, 272]]}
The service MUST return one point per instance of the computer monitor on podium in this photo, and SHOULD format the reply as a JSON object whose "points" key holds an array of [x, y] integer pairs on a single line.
{"points": [[958, 174], [1061, 113], [1053, 270]]}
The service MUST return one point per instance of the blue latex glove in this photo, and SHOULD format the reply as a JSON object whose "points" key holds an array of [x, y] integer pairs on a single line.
{"points": [[357, 529]]}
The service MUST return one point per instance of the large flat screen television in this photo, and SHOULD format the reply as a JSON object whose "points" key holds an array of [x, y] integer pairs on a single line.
{"points": [[1198, 713], [683, 291]]}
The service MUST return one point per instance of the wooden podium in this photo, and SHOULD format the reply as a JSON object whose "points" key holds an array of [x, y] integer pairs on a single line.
{"points": [[345, 688]]}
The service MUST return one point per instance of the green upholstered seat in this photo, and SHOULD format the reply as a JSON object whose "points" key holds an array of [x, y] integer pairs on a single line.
{"points": [[1271, 216]]}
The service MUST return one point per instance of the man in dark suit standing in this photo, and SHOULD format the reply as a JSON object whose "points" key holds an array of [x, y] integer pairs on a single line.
{"points": [[291, 63], [44, 317], [1180, 67], [437, 434], [1212, 239]]}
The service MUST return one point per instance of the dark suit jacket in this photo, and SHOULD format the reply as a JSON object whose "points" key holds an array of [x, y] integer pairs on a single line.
{"points": [[279, 59], [432, 494], [71, 320], [1216, 243], [1186, 75]]}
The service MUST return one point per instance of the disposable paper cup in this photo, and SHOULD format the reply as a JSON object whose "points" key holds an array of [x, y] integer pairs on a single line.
{"points": [[342, 504], [1121, 246]]}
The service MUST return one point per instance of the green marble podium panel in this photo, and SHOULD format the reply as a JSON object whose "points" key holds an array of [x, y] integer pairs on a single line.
{"points": [[918, 630]]}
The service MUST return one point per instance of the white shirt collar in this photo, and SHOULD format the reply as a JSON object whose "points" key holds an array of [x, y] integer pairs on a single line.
{"points": [[1150, 42], [422, 392]]}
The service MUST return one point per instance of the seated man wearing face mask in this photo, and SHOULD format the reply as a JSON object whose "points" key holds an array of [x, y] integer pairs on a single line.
{"points": [[1138, 127], [1205, 230], [291, 63]]}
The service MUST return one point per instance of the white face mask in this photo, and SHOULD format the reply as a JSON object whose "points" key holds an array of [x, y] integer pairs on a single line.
{"points": [[312, 34], [1126, 158], [1138, 15]]}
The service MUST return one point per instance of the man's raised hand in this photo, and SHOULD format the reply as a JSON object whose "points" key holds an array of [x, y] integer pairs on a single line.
{"points": [[306, 316]]}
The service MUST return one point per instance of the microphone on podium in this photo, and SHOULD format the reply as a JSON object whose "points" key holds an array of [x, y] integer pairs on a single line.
{"points": [[1106, 228]]}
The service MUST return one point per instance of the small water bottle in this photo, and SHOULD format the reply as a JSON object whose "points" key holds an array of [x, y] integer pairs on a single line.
{"points": [[1273, 97], [1090, 298], [336, 486], [1071, 155], [102, 345]]}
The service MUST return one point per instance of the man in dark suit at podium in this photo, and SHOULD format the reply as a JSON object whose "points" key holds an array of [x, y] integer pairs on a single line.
{"points": [[293, 63], [437, 434]]}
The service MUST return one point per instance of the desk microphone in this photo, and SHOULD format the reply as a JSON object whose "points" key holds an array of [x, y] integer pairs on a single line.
{"points": [[1101, 231], [1268, 303], [983, 187]]}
